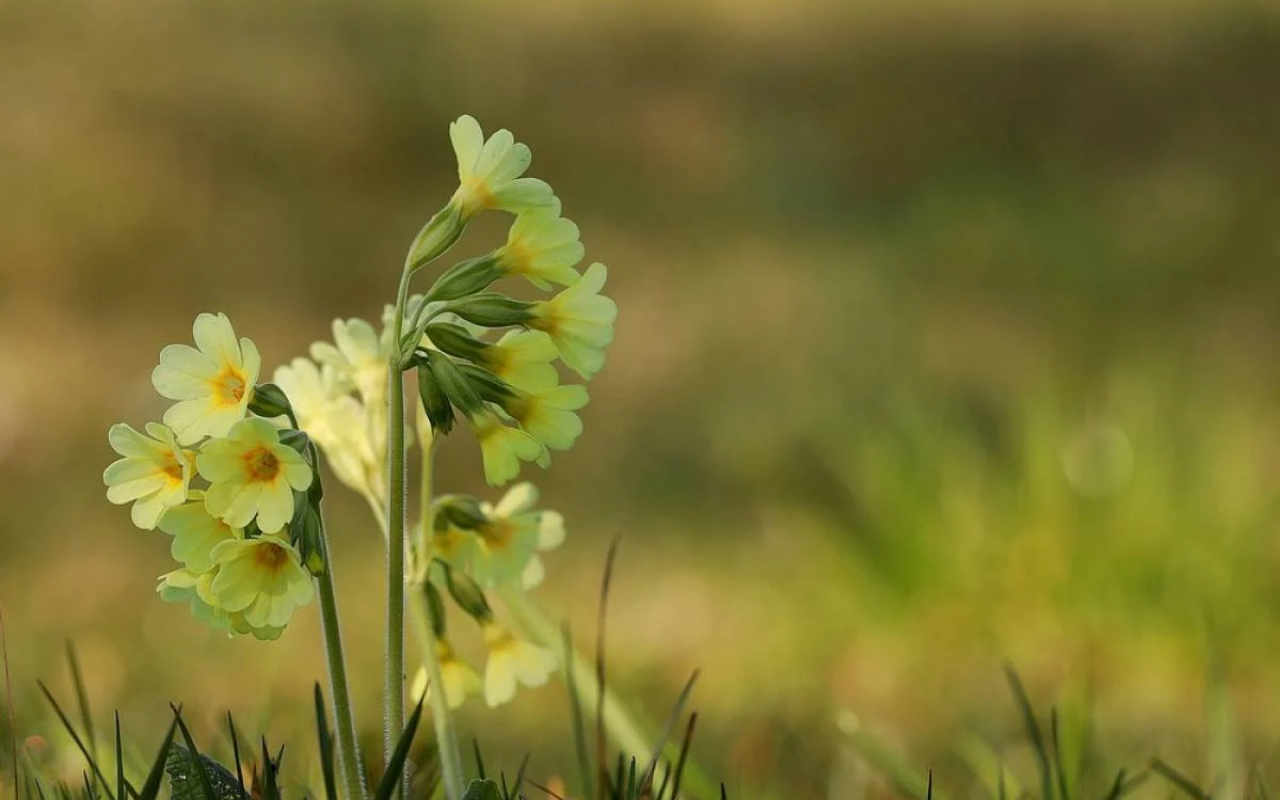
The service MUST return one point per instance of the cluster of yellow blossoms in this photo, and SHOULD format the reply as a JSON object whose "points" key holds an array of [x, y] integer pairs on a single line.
{"points": [[239, 539], [246, 538]]}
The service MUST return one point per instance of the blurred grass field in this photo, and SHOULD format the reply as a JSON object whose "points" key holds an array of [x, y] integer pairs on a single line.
{"points": [[948, 335]]}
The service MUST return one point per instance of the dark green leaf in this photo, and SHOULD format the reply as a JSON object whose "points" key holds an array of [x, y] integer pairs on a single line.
{"points": [[482, 789]]}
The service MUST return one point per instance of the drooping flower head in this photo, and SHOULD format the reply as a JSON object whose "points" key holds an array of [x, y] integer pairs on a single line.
{"points": [[543, 247], [252, 474], [579, 321], [513, 662], [547, 413], [460, 678], [153, 473], [522, 358], [212, 382], [503, 447], [489, 172], [261, 578]]}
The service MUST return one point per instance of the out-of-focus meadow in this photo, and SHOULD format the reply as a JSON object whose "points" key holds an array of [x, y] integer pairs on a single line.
{"points": [[948, 335]]}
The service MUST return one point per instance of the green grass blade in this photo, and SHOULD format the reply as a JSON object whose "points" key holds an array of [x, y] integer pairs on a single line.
{"points": [[602, 617], [576, 715], [884, 759], [193, 754], [235, 754], [326, 746], [475, 749], [120, 779], [1033, 732], [668, 727], [75, 737], [1063, 790], [82, 698], [685, 745], [8, 693], [395, 766], [151, 788], [1182, 782], [519, 781]]}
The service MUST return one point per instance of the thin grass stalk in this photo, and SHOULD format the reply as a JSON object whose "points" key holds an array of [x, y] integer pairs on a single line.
{"points": [[350, 764]]}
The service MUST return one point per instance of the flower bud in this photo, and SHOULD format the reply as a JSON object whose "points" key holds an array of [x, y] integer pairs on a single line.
{"points": [[492, 310], [435, 608], [467, 594], [270, 401], [459, 510], [305, 534], [436, 237], [454, 384], [465, 278], [434, 401]]}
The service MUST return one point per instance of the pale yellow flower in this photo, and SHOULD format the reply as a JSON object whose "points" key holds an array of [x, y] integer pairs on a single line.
{"points": [[358, 354], [550, 535], [547, 413], [192, 588], [579, 321], [522, 358], [212, 382], [460, 678], [261, 578], [250, 474], [335, 421], [506, 542], [153, 474], [513, 662], [489, 172], [503, 448], [543, 247], [195, 533]]}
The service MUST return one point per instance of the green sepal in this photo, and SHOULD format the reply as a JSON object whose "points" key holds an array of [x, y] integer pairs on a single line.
{"points": [[454, 339], [435, 608], [492, 310], [467, 594], [435, 238], [270, 401], [434, 400], [459, 510], [465, 278], [306, 534], [490, 387], [454, 384]]}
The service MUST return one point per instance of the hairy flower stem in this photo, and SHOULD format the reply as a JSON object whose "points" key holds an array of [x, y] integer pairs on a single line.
{"points": [[349, 763], [424, 627], [393, 688]]}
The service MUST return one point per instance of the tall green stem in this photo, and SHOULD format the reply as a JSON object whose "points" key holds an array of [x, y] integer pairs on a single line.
{"points": [[349, 763], [424, 626], [393, 689]]}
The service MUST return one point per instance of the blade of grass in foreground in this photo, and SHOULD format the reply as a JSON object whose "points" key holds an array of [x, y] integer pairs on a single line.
{"points": [[8, 693], [75, 737], [1033, 732]]}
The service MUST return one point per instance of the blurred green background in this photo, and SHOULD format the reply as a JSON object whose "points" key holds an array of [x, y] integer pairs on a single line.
{"points": [[948, 335]]}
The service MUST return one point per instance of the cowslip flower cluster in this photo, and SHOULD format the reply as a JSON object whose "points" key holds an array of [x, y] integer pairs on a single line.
{"points": [[241, 535], [482, 546]]}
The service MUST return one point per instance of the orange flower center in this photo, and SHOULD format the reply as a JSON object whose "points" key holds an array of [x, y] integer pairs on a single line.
{"points": [[262, 465], [271, 556], [229, 386], [172, 467]]}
